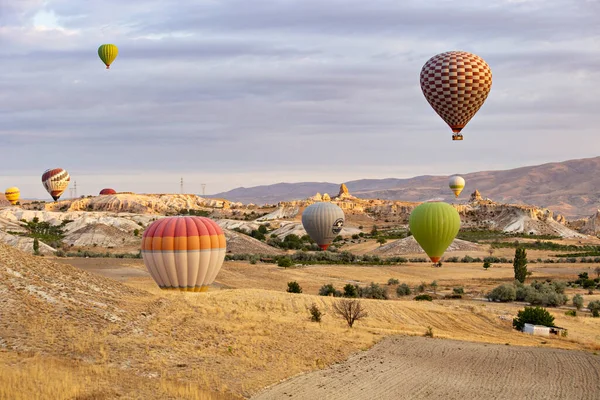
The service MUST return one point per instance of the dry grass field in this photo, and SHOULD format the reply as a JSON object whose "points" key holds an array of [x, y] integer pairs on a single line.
{"points": [[67, 333]]}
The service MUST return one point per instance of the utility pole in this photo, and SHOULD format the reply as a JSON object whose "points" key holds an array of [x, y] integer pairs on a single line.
{"points": [[203, 188], [75, 188], [181, 186]]}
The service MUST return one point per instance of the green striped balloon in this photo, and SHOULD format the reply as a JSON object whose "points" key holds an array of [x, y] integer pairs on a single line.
{"points": [[434, 225], [108, 53]]}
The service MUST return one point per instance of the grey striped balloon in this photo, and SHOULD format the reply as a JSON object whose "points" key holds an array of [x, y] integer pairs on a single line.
{"points": [[323, 222]]}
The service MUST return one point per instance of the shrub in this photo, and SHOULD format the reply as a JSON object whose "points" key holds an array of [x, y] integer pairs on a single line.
{"points": [[423, 297], [350, 310], [458, 290], [393, 281], [533, 315], [421, 287], [403, 290], [594, 307], [284, 262], [571, 313], [486, 265], [294, 287], [578, 301], [434, 286], [373, 291], [350, 290], [503, 293], [262, 229], [429, 332], [60, 253], [315, 313], [329, 290], [136, 232]]}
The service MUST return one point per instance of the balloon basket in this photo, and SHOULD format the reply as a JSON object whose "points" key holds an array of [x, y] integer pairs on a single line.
{"points": [[458, 136]]}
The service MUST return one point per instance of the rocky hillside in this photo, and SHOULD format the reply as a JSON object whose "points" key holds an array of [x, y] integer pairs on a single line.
{"points": [[569, 187], [477, 213], [163, 204]]}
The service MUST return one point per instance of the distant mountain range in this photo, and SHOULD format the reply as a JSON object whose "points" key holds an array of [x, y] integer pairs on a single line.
{"points": [[571, 188]]}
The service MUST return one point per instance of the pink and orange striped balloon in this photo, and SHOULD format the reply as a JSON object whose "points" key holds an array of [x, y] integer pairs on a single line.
{"points": [[184, 253]]}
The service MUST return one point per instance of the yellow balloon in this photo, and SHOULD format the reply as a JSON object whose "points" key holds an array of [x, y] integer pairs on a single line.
{"points": [[108, 53], [12, 194]]}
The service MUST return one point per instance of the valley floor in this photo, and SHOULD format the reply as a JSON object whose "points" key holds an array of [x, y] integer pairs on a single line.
{"points": [[247, 334]]}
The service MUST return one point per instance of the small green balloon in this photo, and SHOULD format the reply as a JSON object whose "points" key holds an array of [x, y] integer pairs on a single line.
{"points": [[434, 225], [108, 53]]}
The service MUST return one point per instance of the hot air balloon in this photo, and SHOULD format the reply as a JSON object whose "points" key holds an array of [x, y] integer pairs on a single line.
{"points": [[183, 253], [56, 181], [108, 53], [434, 225], [457, 184], [12, 194], [323, 222], [107, 191], [456, 84]]}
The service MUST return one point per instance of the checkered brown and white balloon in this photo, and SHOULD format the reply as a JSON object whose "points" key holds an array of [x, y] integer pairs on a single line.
{"points": [[456, 84]]}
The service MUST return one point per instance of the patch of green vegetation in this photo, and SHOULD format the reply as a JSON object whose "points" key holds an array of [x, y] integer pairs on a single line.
{"points": [[52, 235], [543, 245], [196, 213], [476, 235]]}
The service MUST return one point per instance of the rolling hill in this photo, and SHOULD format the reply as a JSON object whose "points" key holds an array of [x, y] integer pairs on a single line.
{"points": [[569, 187]]}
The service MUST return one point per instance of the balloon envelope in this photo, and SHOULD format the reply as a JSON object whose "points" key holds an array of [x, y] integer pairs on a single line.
{"points": [[183, 253], [323, 222], [457, 184], [107, 191], [456, 84], [56, 181], [108, 53], [12, 194], [434, 226]]}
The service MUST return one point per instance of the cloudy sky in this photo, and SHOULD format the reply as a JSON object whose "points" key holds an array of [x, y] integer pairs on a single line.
{"points": [[240, 93]]}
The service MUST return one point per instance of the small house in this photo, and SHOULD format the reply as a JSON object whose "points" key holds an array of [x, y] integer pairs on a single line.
{"points": [[541, 330], [538, 330]]}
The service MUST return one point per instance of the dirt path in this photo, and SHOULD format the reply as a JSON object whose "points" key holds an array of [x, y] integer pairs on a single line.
{"points": [[424, 368]]}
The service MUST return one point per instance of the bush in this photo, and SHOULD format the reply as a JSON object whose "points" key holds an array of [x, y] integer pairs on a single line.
{"points": [[350, 290], [403, 290], [315, 313], [486, 264], [421, 287], [294, 287], [262, 229], [571, 313], [594, 307], [284, 262], [458, 290], [533, 315], [136, 232], [329, 290], [373, 291], [423, 297], [503, 293], [393, 281], [578, 301]]}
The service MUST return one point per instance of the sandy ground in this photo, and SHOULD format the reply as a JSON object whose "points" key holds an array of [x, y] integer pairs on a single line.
{"points": [[425, 368]]}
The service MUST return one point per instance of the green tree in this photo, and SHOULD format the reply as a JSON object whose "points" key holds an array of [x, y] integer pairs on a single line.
{"points": [[374, 231], [136, 232], [533, 315], [486, 265], [381, 241], [262, 229], [594, 307], [350, 290], [36, 246], [520, 264], [294, 287], [284, 262], [578, 301]]}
